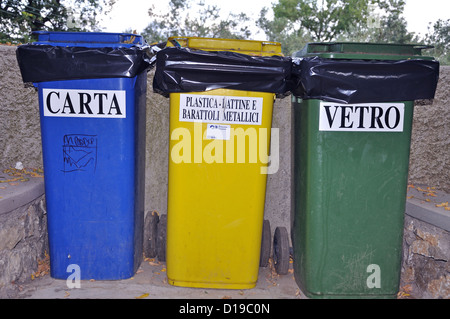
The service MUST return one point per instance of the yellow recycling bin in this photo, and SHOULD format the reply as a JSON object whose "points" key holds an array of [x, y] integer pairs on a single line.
{"points": [[219, 145]]}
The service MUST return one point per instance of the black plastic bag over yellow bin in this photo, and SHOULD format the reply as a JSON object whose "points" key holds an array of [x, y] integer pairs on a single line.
{"points": [[221, 105], [258, 67]]}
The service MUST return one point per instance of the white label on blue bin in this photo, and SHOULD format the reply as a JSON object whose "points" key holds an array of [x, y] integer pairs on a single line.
{"points": [[366, 117], [242, 110], [84, 103], [218, 132]]}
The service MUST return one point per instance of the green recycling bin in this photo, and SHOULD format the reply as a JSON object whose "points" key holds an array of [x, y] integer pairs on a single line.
{"points": [[353, 115]]}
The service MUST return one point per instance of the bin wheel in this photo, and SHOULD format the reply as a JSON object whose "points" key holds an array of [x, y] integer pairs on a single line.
{"points": [[266, 243], [151, 225], [161, 238], [281, 250]]}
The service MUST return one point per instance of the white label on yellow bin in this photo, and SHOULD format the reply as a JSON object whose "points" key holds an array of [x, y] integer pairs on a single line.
{"points": [[221, 109], [366, 117], [218, 132], [84, 103]]}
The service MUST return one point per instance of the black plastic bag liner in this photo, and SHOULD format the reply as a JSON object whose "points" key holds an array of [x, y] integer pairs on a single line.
{"points": [[364, 81], [185, 70], [41, 63]]}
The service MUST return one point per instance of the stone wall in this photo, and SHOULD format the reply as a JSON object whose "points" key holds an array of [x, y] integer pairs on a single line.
{"points": [[20, 138], [430, 143], [23, 242], [426, 260]]}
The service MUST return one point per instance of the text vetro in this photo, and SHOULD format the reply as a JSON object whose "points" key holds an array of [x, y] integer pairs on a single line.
{"points": [[375, 117]]}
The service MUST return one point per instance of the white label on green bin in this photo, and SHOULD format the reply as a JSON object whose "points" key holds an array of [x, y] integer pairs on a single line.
{"points": [[366, 117], [84, 103], [221, 109]]}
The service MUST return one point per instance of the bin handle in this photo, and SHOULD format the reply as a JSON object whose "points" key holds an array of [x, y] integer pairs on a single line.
{"points": [[175, 43], [423, 47], [269, 43]]}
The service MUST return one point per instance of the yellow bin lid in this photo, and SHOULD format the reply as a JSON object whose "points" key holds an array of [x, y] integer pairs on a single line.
{"points": [[249, 47]]}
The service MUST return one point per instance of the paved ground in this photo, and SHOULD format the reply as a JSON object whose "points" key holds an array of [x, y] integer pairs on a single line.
{"points": [[150, 282]]}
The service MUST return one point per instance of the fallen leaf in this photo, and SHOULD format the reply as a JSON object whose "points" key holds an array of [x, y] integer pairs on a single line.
{"points": [[442, 204], [142, 296], [43, 267], [402, 294], [405, 291]]}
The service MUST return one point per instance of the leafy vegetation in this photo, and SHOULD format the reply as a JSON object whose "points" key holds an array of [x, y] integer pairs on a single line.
{"points": [[290, 22], [19, 18]]}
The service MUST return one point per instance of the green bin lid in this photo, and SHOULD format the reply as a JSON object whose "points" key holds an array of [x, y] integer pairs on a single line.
{"points": [[364, 51]]}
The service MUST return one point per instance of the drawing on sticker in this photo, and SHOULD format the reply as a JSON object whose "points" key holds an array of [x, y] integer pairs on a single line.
{"points": [[79, 152]]}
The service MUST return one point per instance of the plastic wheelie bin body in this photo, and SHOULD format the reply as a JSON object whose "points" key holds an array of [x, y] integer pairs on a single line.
{"points": [[219, 143], [350, 181], [93, 139]]}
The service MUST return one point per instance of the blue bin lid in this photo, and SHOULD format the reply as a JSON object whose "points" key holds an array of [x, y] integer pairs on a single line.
{"points": [[89, 39]]}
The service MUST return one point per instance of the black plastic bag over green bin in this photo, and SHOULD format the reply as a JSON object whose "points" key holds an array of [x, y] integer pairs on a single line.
{"points": [[350, 81], [338, 72]]}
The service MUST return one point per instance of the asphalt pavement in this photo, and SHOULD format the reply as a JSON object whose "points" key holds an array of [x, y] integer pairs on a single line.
{"points": [[150, 282]]}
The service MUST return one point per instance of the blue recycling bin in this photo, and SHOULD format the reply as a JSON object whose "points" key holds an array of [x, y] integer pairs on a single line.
{"points": [[92, 99]]}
